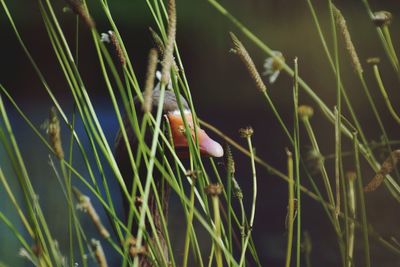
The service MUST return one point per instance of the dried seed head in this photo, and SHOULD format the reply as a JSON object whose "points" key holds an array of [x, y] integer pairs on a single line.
{"points": [[99, 253], [151, 72], [387, 167], [118, 48], [240, 50], [246, 132], [169, 48], [86, 205], [133, 250], [79, 9], [213, 189], [110, 37], [53, 130], [230, 163], [305, 112], [382, 18], [237, 191], [341, 23], [315, 160], [193, 174], [157, 41], [373, 60]]}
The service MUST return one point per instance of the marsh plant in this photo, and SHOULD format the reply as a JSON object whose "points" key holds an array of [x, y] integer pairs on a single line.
{"points": [[218, 216]]}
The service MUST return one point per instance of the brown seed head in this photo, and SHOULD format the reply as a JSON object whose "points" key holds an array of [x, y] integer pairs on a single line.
{"points": [[86, 206], [99, 253], [151, 71], [169, 47], [240, 50], [79, 9], [53, 131], [305, 112], [382, 18], [117, 47], [342, 25], [230, 163], [246, 132], [213, 189], [373, 60]]}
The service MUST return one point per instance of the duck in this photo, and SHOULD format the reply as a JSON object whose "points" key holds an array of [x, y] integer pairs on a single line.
{"points": [[173, 116]]}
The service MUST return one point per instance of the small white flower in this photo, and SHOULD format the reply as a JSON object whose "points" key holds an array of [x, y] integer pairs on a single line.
{"points": [[25, 254], [106, 37], [273, 66]]}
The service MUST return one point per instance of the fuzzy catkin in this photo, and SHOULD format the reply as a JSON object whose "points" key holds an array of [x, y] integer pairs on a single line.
{"points": [[99, 253], [117, 48], [149, 85], [241, 51], [387, 167], [341, 23], [169, 48], [54, 133], [79, 9]]}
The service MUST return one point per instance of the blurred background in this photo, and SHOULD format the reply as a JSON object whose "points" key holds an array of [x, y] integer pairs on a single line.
{"points": [[223, 94]]}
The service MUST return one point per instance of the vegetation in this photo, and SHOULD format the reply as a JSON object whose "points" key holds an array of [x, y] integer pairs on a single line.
{"points": [[212, 200]]}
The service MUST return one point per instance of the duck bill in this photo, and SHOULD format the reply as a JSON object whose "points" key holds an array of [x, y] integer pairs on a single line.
{"points": [[208, 147]]}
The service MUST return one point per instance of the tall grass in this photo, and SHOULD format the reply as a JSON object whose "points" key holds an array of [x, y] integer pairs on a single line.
{"points": [[208, 201]]}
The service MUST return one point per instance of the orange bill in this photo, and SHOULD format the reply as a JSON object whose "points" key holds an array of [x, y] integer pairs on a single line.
{"points": [[208, 147]]}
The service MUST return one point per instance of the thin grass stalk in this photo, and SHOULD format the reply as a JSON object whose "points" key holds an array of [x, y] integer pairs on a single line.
{"points": [[393, 60], [204, 222], [358, 68], [337, 110], [290, 215], [247, 233], [395, 190], [68, 165], [296, 139], [214, 190], [17, 233], [75, 226], [389, 105], [315, 146], [41, 77], [388, 39], [40, 227], [189, 226], [69, 177], [335, 69], [337, 162], [149, 177], [15, 203], [217, 220], [128, 69], [223, 195], [362, 203], [195, 245], [230, 172], [316, 196], [241, 51], [352, 214], [81, 98]]}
